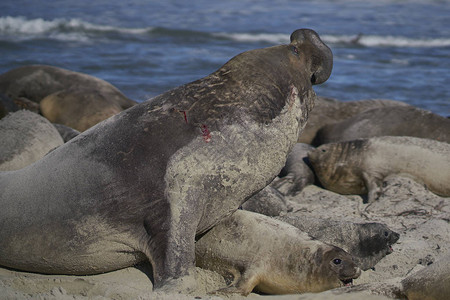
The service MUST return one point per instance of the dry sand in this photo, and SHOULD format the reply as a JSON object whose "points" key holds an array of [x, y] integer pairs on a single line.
{"points": [[421, 218]]}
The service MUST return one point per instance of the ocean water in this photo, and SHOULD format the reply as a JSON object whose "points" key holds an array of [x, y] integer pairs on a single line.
{"points": [[388, 49]]}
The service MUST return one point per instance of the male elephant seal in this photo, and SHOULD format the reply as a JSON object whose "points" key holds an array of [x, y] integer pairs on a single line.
{"points": [[392, 121], [35, 82], [368, 243], [254, 251], [141, 184], [359, 166]]}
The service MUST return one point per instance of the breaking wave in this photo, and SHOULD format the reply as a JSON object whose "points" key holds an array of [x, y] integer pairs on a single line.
{"points": [[21, 28]]}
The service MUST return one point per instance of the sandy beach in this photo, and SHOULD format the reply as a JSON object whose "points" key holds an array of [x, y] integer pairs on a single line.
{"points": [[419, 216]]}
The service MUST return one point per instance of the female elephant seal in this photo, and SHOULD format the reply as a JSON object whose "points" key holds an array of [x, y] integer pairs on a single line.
{"points": [[360, 166], [257, 252], [141, 184]]}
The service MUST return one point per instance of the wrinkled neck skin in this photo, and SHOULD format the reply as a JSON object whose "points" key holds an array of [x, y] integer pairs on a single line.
{"points": [[256, 84]]}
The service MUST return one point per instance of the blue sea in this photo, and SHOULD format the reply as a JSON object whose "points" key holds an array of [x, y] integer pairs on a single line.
{"points": [[389, 49]]}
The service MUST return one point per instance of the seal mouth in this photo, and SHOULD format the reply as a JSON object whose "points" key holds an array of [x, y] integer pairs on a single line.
{"points": [[390, 250], [347, 282]]}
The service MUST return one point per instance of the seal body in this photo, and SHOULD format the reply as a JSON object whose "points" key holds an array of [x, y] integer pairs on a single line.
{"points": [[368, 243], [141, 184], [432, 282], [391, 121], [257, 252], [35, 82], [79, 109], [25, 138], [359, 166], [330, 111]]}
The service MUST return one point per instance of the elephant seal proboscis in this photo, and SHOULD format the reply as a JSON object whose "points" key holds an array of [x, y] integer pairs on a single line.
{"points": [[35, 82], [253, 251], [142, 184], [387, 121], [25, 138], [368, 243], [359, 166]]}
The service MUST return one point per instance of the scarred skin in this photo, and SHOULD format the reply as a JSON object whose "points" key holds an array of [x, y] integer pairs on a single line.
{"points": [[360, 166], [142, 184], [254, 251]]}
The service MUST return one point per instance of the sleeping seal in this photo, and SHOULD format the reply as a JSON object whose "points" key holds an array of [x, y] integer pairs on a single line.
{"points": [[142, 184], [392, 121], [254, 251], [360, 166]]}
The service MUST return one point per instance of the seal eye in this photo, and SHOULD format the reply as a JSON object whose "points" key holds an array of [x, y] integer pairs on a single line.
{"points": [[386, 233], [295, 50], [337, 261]]}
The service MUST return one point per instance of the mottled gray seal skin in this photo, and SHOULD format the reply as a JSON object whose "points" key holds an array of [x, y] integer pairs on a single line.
{"points": [[430, 283], [66, 132], [35, 82], [360, 166], [330, 111], [268, 201], [297, 172], [368, 243], [141, 184], [25, 138], [253, 251], [391, 121], [79, 109]]}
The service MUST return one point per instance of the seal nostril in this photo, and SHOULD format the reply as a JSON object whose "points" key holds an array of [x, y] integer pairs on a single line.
{"points": [[313, 79]]}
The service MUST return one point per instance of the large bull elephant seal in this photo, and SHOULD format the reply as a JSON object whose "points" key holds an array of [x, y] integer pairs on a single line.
{"points": [[141, 184], [35, 82]]}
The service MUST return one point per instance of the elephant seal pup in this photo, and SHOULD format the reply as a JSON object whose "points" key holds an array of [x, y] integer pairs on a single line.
{"points": [[26, 137], [79, 109], [392, 121], [296, 173], [141, 184], [330, 111], [368, 243], [360, 166], [254, 251], [35, 82]]}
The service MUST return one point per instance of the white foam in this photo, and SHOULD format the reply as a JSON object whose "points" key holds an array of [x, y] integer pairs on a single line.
{"points": [[273, 38], [386, 41], [61, 29]]}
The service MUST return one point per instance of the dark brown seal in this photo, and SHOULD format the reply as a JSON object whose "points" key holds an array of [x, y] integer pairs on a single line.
{"points": [[254, 251], [360, 166], [368, 243], [391, 121], [142, 184], [330, 111]]}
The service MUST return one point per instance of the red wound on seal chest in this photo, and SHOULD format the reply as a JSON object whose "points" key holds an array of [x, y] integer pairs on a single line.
{"points": [[206, 133]]}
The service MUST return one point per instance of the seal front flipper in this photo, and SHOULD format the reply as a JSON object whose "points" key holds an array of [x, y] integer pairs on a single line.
{"points": [[373, 186], [244, 286]]}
